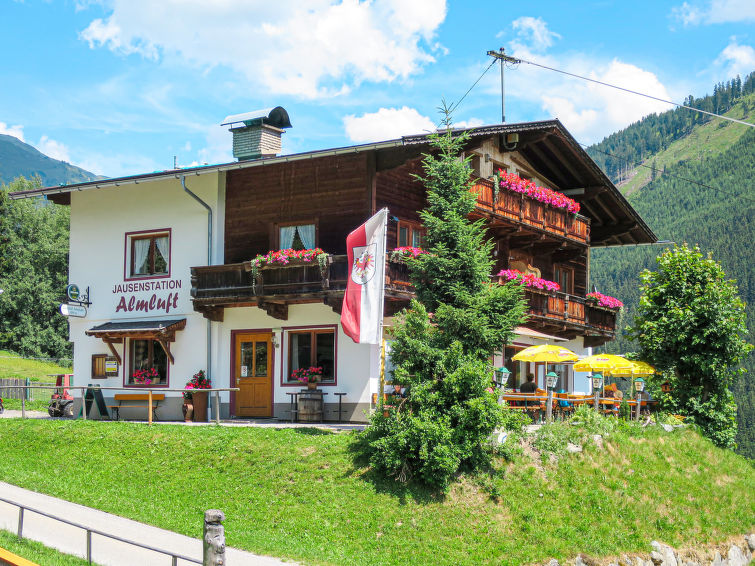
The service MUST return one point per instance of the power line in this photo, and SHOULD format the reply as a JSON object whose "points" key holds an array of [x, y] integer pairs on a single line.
{"points": [[666, 174], [637, 93], [456, 105]]}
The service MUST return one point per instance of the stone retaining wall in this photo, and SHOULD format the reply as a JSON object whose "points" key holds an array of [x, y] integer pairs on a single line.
{"points": [[739, 554]]}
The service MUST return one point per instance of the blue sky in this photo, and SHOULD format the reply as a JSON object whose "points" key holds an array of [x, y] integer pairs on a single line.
{"points": [[122, 86]]}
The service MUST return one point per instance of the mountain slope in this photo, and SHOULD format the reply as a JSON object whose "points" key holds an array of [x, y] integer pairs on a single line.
{"points": [[713, 208], [20, 159]]}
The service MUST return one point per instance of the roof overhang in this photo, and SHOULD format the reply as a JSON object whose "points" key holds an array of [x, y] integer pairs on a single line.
{"points": [[162, 331], [546, 145]]}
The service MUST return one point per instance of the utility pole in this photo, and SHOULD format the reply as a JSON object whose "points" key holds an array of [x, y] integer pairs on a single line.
{"points": [[503, 58]]}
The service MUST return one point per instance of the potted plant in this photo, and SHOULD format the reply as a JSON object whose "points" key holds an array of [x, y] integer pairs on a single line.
{"points": [[311, 376], [194, 396], [146, 376]]}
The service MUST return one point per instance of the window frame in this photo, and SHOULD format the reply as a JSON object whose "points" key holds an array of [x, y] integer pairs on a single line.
{"points": [[99, 359], [570, 271], [310, 222], [128, 373], [411, 227], [128, 254], [286, 354]]}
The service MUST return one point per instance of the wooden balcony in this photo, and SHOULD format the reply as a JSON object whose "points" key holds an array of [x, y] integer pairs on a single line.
{"points": [[217, 287], [275, 286], [524, 211], [569, 315]]}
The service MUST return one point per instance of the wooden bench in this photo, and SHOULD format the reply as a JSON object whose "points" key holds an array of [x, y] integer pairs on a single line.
{"points": [[140, 399]]}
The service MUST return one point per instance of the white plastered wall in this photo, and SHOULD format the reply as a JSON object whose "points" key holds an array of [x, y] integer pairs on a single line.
{"points": [[100, 219]]}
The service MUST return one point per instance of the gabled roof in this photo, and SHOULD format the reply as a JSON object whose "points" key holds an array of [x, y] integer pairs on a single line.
{"points": [[546, 145]]}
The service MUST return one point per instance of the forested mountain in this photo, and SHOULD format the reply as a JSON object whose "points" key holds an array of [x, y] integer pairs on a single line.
{"points": [[20, 159], [704, 194]]}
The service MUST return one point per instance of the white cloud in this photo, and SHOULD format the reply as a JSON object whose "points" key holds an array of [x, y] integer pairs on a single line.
{"points": [[471, 123], [313, 49], [386, 124], [54, 149], [734, 60], [714, 12], [588, 110], [16, 131], [591, 111], [534, 33]]}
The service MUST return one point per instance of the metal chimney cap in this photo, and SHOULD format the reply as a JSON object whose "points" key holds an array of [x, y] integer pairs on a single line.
{"points": [[276, 117]]}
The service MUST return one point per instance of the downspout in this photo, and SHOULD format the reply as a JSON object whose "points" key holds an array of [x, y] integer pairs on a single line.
{"points": [[209, 262]]}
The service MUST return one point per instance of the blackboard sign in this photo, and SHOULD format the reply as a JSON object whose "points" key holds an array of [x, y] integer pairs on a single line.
{"points": [[94, 394]]}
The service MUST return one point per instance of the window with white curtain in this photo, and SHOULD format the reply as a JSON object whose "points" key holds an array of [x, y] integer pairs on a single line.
{"points": [[147, 254], [297, 237]]}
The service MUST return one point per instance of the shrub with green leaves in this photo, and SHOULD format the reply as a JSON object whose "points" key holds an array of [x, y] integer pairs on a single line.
{"points": [[443, 342], [690, 325]]}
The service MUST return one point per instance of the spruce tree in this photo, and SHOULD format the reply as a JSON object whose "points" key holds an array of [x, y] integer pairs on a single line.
{"points": [[443, 342]]}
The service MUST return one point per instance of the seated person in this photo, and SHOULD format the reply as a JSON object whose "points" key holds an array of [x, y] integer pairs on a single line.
{"points": [[530, 386]]}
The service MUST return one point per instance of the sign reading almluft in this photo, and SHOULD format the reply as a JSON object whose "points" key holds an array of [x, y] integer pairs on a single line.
{"points": [[156, 302]]}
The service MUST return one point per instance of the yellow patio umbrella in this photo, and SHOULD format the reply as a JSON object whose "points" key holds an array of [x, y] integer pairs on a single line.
{"points": [[637, 369], [546, 353], [605, 363]]}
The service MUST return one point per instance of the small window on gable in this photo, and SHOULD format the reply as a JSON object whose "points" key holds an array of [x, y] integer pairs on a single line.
{"points": [[148, 254], [297, 237], [410, 234]]}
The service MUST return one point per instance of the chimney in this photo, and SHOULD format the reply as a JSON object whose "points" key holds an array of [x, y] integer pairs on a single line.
{"points": [[257, 134]]}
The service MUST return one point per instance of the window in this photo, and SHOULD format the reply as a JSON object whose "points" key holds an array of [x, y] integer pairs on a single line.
{"points": [[297, 237], [146, 354], [312, 348], [564, 276], [410, 234], [148, 254]]}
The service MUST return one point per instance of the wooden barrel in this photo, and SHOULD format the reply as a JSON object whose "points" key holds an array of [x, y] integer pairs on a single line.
{"points": [[310, 406]]}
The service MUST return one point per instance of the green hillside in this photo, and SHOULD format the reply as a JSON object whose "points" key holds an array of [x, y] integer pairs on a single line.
{"points": [[705, 197], [20, 159], [305, 495]]}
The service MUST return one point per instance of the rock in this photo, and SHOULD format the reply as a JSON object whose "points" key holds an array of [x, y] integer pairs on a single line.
{"points": [[663, 555], [573, 448], [737, 557], [667, 427], [625, 561], [553, 562], [579, 562], [717, 561], [751, 542], [598, 440]]}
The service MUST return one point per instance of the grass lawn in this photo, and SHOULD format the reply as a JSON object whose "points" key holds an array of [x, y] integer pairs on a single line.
{"points": [[37, 552], [38, 371], [301, 493]]}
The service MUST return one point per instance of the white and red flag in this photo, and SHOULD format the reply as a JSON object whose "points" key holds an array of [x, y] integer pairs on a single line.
{"points": [[362, 312]]}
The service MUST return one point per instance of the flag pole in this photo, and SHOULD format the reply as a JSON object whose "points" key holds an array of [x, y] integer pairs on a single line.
{"points": [[381, 381]]}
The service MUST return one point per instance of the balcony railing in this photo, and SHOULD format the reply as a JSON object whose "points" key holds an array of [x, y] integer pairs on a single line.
{"points": [[235, 283], [524, 210], [569, 309], [217, 286]]}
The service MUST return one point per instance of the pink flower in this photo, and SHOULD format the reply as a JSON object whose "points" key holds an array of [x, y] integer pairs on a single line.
{"points": [[605, 300], [555, 199], [528, 280]]}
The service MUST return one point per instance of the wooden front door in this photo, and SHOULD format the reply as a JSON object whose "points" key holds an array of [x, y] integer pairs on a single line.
{"points": [[253, 371]]}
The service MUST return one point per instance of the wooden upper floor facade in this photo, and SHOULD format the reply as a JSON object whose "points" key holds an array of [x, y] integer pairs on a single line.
{"points": [[315, 199]]}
